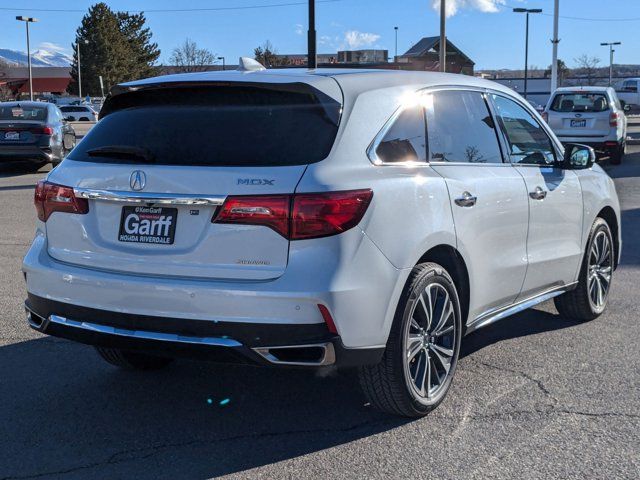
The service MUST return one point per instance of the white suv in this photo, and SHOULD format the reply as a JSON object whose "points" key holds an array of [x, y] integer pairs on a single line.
{"points": [[589, 115], [312, 218]]}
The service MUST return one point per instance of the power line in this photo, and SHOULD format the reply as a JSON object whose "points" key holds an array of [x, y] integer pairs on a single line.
{"points": [[172, 10], [566, 17]]}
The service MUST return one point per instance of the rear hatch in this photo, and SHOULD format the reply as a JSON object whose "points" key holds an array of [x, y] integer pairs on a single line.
{"points": [[580, 114], [162, 159]]}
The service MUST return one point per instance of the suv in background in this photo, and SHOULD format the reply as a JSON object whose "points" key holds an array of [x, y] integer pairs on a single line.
{"points": [[591, 116], [320, 217], [79, 113]]}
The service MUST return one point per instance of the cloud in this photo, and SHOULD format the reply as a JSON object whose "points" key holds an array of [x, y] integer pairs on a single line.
{"points": [[325, 40], [52, 47], [354, 39], [299, 29], [453, 6]]}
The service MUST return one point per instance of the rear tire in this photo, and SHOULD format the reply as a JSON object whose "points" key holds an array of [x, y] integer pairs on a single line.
{"points": [[589, 299], [420, 359], [618, 154], [132, 360]]}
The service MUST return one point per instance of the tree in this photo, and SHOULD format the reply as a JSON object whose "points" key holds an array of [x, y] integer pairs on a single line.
{"points": [[144, 52], [189, 58], [563, 72], [5, 92], [267, 55], [587, 66], [114, 45]]}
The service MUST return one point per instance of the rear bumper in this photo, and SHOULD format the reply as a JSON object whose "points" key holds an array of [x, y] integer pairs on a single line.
{"points": [[226, 342], [600, 144], [24, 154]]}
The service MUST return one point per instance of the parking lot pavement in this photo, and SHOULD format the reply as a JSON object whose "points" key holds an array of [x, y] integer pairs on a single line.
{"points": [[535, 396]]}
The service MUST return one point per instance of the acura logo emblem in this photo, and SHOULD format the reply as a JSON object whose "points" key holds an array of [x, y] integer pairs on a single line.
{"points": [[137, 180]]}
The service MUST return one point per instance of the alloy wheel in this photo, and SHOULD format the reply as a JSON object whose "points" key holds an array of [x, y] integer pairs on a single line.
{"points": [[600, 269]]}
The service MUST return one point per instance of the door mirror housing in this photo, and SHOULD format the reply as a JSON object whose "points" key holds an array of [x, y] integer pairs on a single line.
{"points": [[578, 157]]}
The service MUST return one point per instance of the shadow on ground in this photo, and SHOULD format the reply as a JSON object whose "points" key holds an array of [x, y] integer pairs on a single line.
{"points": [[67, 412]]}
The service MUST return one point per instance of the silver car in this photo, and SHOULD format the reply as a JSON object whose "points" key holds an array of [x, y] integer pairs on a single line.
{"points": [[312, 218]]}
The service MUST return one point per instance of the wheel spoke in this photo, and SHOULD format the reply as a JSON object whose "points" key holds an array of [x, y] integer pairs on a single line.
{"points": [[600, 292], [442, 332], [415, 325], [428, 307], [446, 363], [428, 384], [426, 310], [445, 314], [445, 351], [416, 374], [604, 249], [424, 388], [414, 345]]}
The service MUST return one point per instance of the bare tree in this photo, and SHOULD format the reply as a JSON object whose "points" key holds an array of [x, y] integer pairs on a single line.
{"points": [[587, 66], [189, 58], [267, 55]]}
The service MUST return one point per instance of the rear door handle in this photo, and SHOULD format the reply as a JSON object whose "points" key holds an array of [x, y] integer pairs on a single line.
{"points": [[466, 200], [538, 194]]}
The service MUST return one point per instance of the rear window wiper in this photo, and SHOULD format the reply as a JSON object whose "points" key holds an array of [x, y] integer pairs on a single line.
{"points": [[124, 152]]}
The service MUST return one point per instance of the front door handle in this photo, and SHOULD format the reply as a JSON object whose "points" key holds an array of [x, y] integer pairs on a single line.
{"points": [[538, 194], [466, 200]]}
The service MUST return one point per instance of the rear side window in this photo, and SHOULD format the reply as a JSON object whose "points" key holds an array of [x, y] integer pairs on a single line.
{"points": [[528, 143], [405, 140], [580, 102], [216, 125], [461, 129]]}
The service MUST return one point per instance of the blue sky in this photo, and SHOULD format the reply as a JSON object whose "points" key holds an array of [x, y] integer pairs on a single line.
{"points": [[486, 30]]}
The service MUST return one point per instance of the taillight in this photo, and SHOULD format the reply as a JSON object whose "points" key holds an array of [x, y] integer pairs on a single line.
{"points": [[50, 197], [269, 210], [613, 119], [322, 214], [300, 216], [46, 130]]}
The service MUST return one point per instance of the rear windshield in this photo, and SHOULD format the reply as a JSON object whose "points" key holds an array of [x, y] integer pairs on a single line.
{"points": [[23, 112], [580, 102], [222, 125]]}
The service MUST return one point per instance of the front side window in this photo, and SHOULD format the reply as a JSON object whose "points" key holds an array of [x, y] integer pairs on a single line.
{"points": [[528, 142], [405, 140], [461, 129]]}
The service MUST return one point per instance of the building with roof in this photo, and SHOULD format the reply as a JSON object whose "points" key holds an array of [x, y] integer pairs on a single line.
{"points": [[425, 55], [46, 80]]}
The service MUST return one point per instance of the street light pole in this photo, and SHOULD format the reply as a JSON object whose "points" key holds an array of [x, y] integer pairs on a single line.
{"points": [[395, 57], [527, 11], [611, 50], [223, 63], [79, 69], [28, 20], [443, 37], [555, 41], [311, 36]]}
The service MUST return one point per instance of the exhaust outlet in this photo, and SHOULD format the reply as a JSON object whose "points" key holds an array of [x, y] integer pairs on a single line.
{"points": [[315, 355], [34, 320]]}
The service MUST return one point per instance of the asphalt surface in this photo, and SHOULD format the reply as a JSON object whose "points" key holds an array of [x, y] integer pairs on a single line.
{"points": [[535, 396]]}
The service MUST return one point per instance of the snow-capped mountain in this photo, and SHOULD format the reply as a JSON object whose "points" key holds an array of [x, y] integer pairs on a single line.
{"points": [[39, 58]]}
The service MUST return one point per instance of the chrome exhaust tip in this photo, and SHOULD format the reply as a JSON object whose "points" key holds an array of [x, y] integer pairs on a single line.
{"points": [[314, 355], [34, 320]]}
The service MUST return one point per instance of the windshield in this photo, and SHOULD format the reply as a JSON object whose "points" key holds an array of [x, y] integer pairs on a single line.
{"points": [[20, 112], [226, 125], [580, 102]]}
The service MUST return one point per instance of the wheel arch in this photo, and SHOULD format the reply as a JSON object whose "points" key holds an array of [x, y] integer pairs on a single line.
{"points": [[608, 214]]}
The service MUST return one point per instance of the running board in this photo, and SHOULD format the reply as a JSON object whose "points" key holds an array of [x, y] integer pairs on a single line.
{"points": [[504, 312]]}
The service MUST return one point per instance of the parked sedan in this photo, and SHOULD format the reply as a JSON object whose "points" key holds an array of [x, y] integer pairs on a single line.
{"points": [[34, 133], [589, 115], [79, 113]]}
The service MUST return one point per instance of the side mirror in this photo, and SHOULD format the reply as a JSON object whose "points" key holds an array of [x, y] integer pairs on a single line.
{"points": [[69, 141], [578, 157]]}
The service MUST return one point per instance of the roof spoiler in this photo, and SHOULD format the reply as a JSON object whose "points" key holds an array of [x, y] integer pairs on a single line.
{"points": [[246, 64]]}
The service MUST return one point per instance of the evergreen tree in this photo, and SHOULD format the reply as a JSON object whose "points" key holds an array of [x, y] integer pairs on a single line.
{"points": [[114, 45]]}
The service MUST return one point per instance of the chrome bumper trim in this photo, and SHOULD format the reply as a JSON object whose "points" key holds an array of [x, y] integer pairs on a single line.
{"points": [[142, 334], [147, 198]]}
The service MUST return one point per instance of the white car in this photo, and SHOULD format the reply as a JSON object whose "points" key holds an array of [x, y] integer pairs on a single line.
{"points": [[589, 115], [628, 91], [313, 218], [79, 113]]}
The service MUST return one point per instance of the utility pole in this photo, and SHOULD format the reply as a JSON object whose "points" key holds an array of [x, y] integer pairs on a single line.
{"points": [[555, 40], [526, 42], [611, 50], [443, 37], [311, 37], [28, 20], [395, 57]]}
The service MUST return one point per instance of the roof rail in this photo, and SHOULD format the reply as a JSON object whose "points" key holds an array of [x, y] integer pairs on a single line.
{"points": [[246, 64]]}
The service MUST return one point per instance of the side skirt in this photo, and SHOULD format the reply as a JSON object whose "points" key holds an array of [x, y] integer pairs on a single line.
{"points": [[495, 315]]}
